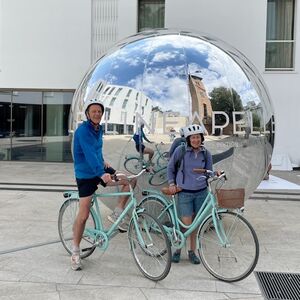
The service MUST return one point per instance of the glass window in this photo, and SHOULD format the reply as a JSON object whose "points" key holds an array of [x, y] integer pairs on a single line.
{"points": [[26, 126], [5, 124], [112, 101], [118, 91], [107, 113], [125, 103], [128, 93], [34, 125], [280, 35], [56, 141], [106, 90], [100, 86], [111, 90], [151, 14]]}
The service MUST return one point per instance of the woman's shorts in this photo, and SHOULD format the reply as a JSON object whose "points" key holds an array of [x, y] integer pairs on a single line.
{"points": [[189, 204], [140, 147], [88, 186]]}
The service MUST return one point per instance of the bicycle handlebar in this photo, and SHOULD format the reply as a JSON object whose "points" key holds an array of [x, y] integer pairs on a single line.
{"points": [[127, 177], [211, 174]]}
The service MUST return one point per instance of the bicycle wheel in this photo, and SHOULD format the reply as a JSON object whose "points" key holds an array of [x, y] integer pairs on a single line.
{"points": [[133, 165], [66, 218], [159, 177], [150, 247], [235, 260], [162, 160], [156, 208]]}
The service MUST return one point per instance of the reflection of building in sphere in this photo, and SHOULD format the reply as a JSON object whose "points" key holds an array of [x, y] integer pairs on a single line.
{"points": [[164, 122], [122, 104], [200, 101]]}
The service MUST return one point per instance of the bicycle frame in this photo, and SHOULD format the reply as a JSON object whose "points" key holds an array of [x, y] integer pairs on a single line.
{"points": [[208, 208], [157, 155], [110, 232]]}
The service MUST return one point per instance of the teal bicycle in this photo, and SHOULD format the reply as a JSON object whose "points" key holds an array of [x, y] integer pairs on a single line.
{"points": [[150, 248], [158, 176], [226, 241]]}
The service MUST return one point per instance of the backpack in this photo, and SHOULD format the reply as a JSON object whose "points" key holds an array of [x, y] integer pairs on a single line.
{"points": [[180, 160]]}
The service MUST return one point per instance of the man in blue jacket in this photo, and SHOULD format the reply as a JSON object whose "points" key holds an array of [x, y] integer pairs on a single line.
{"points": [[90, 170]]}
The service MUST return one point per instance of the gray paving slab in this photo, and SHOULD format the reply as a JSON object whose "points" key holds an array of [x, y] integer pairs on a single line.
{"points": [[34, 266]]}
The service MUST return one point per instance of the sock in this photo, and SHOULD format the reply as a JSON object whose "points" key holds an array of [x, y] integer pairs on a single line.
{"points": [[75, 250]]}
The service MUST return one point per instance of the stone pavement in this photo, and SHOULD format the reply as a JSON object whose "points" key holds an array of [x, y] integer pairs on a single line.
{"points": [[34, 265]]}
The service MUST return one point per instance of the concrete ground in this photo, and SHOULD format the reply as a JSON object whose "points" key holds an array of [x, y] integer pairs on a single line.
{"points": [[34, 265]]}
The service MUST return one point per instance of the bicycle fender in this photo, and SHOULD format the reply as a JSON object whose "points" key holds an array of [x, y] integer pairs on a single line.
{"points": [[158, 196]]}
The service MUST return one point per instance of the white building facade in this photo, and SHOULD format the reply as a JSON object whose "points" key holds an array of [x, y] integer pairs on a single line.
{"points": [[47, 46]]}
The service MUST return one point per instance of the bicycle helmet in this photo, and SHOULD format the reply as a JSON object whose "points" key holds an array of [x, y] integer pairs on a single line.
{"points": [[192, 129], [90, 102]]}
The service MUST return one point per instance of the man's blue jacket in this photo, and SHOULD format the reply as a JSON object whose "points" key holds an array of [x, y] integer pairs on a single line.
{"points": [[87, 151]]}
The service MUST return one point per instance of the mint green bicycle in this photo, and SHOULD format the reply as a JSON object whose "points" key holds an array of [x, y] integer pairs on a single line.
{"points": [[150, 248], [226, 241], [134, 164]]}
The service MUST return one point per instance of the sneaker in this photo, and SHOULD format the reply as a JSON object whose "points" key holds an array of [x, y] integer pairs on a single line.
{"points": [[176, 257], [193, 258], [76, 262], [123, 225]]}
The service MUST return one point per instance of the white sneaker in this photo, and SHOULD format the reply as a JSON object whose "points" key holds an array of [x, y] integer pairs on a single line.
{"points": [[76, 262], [123, 227]]}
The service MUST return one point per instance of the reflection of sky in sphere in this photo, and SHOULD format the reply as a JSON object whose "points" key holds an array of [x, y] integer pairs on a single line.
{"points": [[159, 67]]}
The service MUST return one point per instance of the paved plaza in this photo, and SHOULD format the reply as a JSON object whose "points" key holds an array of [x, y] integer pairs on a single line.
{"points": [[34, 265]]}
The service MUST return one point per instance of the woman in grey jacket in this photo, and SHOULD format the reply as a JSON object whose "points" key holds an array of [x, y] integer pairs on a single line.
{"points": [[193, 187]]}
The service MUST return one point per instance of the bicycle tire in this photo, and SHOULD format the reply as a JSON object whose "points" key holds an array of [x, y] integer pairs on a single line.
{"points": [[66, 218], [159, 177], [154, 258], [238, 258], [133, 165], [155, 206], [162, 160]]}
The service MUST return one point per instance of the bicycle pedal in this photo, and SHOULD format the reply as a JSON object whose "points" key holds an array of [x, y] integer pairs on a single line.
{"points": [[122, 231], [87, 249]]}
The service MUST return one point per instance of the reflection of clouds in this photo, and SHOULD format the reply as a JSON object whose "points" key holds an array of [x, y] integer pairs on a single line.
{"points": [[165, 56], [151, 65], [169, 93]]}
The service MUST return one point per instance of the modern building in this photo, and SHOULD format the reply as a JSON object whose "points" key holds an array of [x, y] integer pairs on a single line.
{"points": [[47, 46]]}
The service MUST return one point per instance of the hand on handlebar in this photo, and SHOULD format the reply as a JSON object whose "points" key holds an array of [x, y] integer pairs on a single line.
{"points": [[209, 173], [172, 188]]}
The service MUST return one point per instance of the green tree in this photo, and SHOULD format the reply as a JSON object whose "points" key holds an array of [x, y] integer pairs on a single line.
{"points": [[225, 100], [255, 120]]}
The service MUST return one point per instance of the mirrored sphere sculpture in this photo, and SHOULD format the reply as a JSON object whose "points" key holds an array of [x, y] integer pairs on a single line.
{"points": [[168, 79]]}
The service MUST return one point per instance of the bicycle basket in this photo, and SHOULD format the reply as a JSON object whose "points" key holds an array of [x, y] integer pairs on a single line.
{"points": [[233, 198]]}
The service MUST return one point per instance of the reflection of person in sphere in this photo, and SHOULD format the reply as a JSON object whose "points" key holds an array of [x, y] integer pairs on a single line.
{"points": [[177, 142], [172, 134], [193, 187], [139, 138], [90, 170]]}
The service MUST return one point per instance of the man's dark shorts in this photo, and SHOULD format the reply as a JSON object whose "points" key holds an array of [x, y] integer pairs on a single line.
{"points": [[88, 186], [140, 148]]}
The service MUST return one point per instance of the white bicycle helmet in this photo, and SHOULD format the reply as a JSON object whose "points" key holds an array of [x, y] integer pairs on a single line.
{"points": [[90, 102], [192, 129]]}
